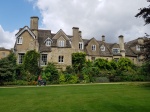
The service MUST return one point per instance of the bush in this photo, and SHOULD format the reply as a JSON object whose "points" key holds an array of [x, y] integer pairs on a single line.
{"points": [[51, 73], [86, 79], [101, 79], [62, 79], [73, 79]]}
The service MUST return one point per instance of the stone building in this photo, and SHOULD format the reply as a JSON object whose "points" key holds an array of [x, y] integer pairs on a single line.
{"points": [[4, 52], [58, 47]]}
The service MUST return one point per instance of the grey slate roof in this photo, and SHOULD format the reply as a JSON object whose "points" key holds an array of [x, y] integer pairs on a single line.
{"points": [[43, 35]]}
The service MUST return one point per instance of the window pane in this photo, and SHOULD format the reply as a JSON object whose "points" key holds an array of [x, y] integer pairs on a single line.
{"points": [[21, 55], [61, 59], [44, 59]]}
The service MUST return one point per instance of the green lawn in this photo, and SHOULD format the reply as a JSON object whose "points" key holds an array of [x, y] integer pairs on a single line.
{"points": [[78, 98]]}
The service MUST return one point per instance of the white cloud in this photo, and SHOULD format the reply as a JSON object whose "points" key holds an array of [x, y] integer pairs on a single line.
{"points": [[7, 38], [94, 17]]}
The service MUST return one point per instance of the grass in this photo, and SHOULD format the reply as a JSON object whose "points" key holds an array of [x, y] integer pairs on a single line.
{"points": [[79, 98]]}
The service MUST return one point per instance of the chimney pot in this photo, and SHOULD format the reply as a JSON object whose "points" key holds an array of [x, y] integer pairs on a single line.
{"points": [[103, 38]]}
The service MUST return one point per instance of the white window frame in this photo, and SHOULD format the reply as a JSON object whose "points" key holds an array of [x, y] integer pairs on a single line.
{"points": [[102, 48], [61, 43], [117, 49], [60, 59], [138, 48], [20, 57], [19, 40], [48, 42], [93, 47], [43, 59], [81, 45]]}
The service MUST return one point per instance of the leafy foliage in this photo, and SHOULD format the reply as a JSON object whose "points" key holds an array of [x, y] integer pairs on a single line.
{"points": [[78, 61], [145, 69], [125, 64], [51, 73], [145, 14], [30, 62], [89, 71], [7, 68], [102, 64]]}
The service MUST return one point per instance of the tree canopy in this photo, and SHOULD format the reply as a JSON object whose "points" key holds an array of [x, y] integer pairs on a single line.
{"points": [[30, 62], [145, 14], [7, 68]]}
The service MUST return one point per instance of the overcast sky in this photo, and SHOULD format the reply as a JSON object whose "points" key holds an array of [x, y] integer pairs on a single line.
{"points": [[93, 17]]}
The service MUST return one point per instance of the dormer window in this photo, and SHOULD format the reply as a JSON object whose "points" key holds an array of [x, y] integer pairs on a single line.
{"points": [[48, 43], [81, 45], [61, 43], [102, 48], [138, 47], [116, 50], [19, 40], [93, 47]]}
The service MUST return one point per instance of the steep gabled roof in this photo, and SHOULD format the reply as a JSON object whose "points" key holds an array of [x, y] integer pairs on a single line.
{"points": [[26, 28], [45, 34], [4, 49], [42, 36], [62, 34], [107, 51], [87, 41], [128, 51]]}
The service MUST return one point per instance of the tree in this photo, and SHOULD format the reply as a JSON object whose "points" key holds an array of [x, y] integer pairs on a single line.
{"points": [[102, 64], [51, 73], [145, 14], [7, 68], [30, 62], [78, 61], [125, 64], [90, 71]]}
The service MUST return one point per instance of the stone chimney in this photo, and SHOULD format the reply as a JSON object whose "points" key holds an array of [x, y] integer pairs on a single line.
{"points": [[80, 34], [103, 38], [34, 28], [140, 41], [34, 25], [121, 44], [75, 39]]}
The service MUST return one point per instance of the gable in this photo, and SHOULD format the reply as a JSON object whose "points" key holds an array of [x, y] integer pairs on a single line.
{"points": [[115, 46], [26, 28], [59, 34], [92, 47], [93, 42], [48, 38]]}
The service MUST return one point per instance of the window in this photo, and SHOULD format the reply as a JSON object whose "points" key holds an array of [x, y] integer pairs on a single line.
{"points": [[93, 47], [44, 59], [61, 59], [116, 50], [80, 45], [92, 58], [138, 47], [102, 48], [19, 40], [61, 43], [116, 59], [48, 43], [21, 55]]}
